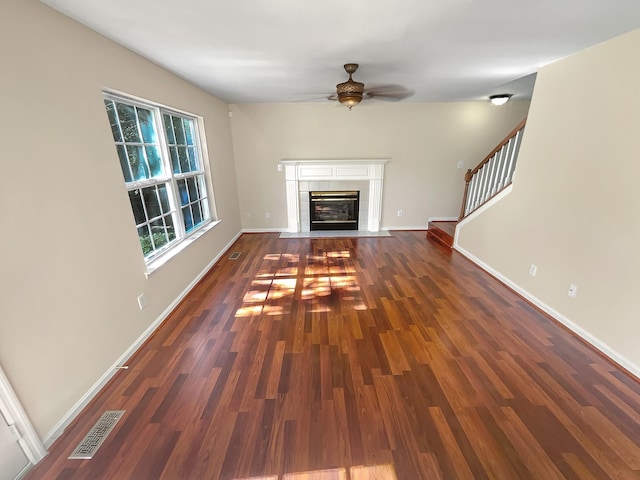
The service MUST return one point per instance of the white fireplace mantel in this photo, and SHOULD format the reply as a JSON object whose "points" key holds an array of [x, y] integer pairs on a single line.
{"points": [[297, 171]]}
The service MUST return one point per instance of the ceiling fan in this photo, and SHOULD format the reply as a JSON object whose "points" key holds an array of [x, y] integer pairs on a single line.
{"points": [[351, 93]]}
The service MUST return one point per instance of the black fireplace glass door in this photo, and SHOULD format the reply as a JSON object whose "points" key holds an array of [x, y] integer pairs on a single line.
{"points": [[334, 210]]}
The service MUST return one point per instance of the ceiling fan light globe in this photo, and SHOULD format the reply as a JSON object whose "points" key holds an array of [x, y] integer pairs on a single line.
{"points": [[350, 100]]}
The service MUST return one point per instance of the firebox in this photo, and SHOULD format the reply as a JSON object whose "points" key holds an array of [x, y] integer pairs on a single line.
{"points": [[336, 210]]}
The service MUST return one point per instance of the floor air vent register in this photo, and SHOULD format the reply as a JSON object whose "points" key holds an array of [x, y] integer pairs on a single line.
{"points": [[92, 441]]}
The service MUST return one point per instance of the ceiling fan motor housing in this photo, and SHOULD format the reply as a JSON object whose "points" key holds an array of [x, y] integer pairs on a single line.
{"points": [[349, 88]]}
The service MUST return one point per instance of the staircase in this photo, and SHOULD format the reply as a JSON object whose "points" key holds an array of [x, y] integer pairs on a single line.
{"points": [[442, 232], [492, 175]]}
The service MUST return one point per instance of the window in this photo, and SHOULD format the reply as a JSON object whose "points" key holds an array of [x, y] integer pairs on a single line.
{"points": [[161, 161]]}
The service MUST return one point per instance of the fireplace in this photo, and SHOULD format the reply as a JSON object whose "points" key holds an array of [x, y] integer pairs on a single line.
{"points": [[303, 176], [335, 210]]}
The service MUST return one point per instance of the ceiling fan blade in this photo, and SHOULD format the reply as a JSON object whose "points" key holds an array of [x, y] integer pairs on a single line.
{"points": [[314, 98], [390, 93]]}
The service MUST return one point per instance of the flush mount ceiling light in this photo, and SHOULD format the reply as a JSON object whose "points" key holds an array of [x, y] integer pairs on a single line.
{"points": [[500, 99], [350, 92]]}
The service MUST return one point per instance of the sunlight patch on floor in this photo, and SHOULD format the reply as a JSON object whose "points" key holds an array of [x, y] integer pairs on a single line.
{"points": [[327, 277], [332, 474], [361, 472]]}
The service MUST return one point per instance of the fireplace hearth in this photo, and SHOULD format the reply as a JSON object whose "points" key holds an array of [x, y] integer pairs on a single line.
{"points": [[334, 210]]}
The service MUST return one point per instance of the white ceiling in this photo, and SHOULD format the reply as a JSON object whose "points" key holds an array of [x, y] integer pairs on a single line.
{"points": [[245, 51]]}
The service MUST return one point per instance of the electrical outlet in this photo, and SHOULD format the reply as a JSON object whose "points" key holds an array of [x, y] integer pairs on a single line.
{"points": [[247, 214], [533, 270], [461, 164], [142, 302], [573, 290], [279, 167], [400, 213], [267, 215]]}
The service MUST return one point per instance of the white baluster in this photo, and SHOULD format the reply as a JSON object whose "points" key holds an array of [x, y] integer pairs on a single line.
{"points": [[512, 163]]}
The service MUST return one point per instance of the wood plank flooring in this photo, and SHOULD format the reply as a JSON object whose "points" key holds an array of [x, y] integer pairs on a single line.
{"points": [[359, 359]]}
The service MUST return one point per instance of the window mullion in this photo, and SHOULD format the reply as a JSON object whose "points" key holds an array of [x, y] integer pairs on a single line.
{"points": [[147, 183], [143, 148], [177, 207], [174, 201], [184, 176], [124, 145]]}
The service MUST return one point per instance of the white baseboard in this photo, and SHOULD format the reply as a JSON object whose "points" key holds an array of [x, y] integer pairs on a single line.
{"points": [[59, 428], [264, 230], [582, 333], [23, 472], [284, 230], [418, 227]]}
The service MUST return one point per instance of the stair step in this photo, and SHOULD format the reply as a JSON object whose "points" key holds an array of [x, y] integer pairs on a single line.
{"points": [[442, 232]]}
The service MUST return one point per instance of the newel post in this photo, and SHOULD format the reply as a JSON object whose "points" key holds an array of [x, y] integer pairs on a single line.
{"points": [[467, 179]]}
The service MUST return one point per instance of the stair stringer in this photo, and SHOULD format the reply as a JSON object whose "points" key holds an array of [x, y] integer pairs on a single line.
{"points": [[477, 212]]}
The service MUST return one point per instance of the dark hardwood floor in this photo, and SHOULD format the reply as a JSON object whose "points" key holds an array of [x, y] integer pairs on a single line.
{"points": [[359, 359]]}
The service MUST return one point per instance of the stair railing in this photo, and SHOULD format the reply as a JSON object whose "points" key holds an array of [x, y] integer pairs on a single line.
{"points": [[493, 174]]}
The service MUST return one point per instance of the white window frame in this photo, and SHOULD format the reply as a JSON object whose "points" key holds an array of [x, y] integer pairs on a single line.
{"points": [[183, 238]]}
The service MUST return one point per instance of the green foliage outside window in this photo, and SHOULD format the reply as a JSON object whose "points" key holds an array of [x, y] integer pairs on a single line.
{"points": [[159, 239]]}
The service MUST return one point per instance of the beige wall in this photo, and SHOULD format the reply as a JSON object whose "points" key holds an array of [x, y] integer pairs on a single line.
{"points": [[573, 210], [424, 141], [71, 263]]}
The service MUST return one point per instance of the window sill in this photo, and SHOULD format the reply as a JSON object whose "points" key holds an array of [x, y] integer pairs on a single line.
{"points": [[159, 261]]}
